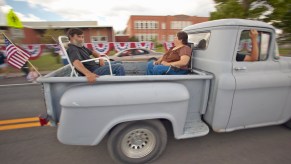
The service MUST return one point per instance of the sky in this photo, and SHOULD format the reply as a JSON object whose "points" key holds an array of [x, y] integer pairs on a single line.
{"points": [[113, 13]]}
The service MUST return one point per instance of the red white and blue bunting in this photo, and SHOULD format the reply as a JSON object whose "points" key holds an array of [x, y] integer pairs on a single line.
{"points": [[168, 45], [101, 48], [34, 50], [119, 46], [146, 45]]}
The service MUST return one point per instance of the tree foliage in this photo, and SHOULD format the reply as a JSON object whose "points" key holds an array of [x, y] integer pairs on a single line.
{"points": [[276, 12]]}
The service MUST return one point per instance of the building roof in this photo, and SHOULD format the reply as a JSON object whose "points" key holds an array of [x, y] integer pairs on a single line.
{"points": [[62, 24], [229, 22]]}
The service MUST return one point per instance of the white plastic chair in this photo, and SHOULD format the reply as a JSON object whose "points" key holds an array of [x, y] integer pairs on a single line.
{"points": [[74, 72]]}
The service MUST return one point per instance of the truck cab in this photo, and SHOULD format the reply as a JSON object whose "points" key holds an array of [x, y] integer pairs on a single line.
{"points": [[243, 94]]}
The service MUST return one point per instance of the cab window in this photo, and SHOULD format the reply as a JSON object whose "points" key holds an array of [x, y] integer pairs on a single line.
{"points": [[245, 45]]}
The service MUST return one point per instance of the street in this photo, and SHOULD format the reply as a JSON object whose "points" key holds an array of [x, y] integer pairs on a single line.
{"points": [[35, 145]]}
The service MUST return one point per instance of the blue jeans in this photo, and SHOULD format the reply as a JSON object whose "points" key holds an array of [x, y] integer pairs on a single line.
{"points": [[163, 70], [117, 69]]}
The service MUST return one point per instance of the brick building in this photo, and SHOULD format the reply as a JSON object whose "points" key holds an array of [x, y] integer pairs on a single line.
{"points": [[42, 32], [161, 28]]}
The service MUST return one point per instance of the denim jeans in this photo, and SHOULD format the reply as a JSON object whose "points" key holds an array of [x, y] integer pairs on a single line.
{"points": [[117, 69], [163, 70]]}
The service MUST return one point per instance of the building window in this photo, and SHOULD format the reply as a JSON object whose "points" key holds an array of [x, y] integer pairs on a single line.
{"points": [[146, 25], [163, 38], [171, 38], [99, 38], [180, 24], [163, 25], [146, 37]]}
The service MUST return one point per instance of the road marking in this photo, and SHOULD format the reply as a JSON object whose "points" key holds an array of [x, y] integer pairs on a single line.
{"points": [[22, 84], [19, 123], [31, 119], [19, 126]]}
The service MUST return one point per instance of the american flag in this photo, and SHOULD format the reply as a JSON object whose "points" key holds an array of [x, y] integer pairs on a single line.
{"points": [[15, 56]]}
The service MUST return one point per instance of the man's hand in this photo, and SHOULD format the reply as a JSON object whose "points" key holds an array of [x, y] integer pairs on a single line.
{"points": [[91, 77], [101, 62], [253, 34]]}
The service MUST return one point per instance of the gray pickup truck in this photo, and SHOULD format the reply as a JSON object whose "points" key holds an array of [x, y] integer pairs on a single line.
{"points": [[219, 92]]}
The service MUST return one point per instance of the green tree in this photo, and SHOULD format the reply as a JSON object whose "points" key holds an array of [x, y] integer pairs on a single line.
{"points": [[50, 36], [133, 39], [276, 12]]}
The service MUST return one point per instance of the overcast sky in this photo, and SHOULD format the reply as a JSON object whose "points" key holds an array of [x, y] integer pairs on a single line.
{"points": [[107, 12]]}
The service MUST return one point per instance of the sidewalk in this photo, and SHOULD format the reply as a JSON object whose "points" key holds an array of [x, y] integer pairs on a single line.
{"points": [[19, 74]]}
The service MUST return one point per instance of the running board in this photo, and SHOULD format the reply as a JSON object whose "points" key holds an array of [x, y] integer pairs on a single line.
{"points": [[194, 128]]}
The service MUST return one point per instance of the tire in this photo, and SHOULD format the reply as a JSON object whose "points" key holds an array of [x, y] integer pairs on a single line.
{"points": [[137, 142], [288, 124]]}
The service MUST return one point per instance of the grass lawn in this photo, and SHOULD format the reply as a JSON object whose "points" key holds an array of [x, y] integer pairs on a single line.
{"points": [[285, 52], [46, 62]]}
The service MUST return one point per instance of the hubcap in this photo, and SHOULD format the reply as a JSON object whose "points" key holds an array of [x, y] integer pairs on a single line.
{"points": [[138, 143]]}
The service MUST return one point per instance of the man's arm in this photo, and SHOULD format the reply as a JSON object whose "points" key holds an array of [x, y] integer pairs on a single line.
{"points": [[96, 55], [91, 77], [255, 49]]}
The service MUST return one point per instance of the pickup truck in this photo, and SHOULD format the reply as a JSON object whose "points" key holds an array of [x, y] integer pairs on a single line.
{"points": [[219, 93]]}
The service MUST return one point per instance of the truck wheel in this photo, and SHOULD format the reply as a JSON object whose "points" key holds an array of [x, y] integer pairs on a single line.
{"points": [[288, 124], [137, 142]]}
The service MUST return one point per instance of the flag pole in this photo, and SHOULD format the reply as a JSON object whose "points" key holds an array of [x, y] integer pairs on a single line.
{"points": [[33, 67], [22, 50]]}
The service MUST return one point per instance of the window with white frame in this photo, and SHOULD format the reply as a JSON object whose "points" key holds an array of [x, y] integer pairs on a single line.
{"points": [[171, 38], [163, 25], [146, 37], [180, 24], [99, 38], [146, 25]]}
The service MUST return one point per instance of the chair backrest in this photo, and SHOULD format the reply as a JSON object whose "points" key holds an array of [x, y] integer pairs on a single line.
{"points": [[190, 64], [61, 40]]}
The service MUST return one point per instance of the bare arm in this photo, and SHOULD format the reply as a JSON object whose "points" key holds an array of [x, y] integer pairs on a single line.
{"points": [[255, 49], [96, 55], [91, 77]]}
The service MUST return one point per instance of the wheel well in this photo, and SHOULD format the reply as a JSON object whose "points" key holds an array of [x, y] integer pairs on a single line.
{"points": [[167, 124]]}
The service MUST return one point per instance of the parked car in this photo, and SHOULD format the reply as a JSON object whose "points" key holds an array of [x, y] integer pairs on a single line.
{"points": [[136, 54]]}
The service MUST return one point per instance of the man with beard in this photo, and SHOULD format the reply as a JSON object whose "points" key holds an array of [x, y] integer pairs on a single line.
{"points": [[77, 53]]}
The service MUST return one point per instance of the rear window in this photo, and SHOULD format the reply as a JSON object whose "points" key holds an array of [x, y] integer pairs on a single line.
{"points": [[199, 40]]}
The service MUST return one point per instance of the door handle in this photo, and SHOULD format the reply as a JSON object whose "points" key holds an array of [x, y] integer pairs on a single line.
{"points": [[240, 68]]}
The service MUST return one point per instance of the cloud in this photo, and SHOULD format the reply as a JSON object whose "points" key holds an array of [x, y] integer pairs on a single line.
{"points": [[22, 17], [116, 12], [28, 17]]}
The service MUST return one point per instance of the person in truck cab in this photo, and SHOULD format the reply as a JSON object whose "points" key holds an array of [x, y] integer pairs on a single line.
{"points": [[175, 61], [255, 50], [77, 53]]}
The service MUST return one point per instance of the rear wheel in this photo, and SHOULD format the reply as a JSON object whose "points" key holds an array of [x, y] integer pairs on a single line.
{"points": [[137, 142]]}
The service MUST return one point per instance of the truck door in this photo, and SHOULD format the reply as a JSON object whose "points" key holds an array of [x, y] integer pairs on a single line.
{"points": [[261, 88]]}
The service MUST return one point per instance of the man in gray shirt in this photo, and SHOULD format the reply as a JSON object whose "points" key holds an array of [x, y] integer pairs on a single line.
{"points": [[77, 53]]}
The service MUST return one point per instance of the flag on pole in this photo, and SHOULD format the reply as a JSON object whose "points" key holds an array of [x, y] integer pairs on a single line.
{"points": [[15, 56]]}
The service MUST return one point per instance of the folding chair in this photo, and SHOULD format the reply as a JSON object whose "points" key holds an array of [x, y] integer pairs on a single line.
{"points": [[74, 72]]}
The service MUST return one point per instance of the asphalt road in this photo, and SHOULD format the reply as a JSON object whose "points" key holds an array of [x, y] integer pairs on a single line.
{"points": [[39, 145]]}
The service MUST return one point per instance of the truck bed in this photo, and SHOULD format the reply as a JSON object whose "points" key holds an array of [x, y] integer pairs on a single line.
{"points": [[197, 84]]}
